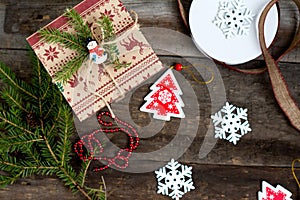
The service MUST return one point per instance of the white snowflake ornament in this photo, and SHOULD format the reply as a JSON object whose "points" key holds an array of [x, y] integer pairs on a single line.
{"points": [[231, 123], [233, 18], [174, 180]]}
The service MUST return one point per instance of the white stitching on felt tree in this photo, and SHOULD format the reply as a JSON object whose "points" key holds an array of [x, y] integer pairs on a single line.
{"points": [[231, 123], [174, 179], [233, 18]]}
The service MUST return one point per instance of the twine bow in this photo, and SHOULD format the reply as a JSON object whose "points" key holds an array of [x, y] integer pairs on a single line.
{"points": [[98, 35], [280, 89]]}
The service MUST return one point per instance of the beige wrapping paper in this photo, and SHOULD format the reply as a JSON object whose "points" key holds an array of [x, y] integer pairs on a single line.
{"points": [[133, 48]]}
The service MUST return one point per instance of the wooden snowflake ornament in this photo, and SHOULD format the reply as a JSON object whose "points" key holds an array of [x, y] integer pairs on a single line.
{"points": [[231, 123], [164, 101], [174, 180], [233, 18], [271, 193]]}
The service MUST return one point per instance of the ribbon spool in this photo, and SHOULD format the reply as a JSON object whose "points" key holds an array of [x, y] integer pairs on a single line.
{"points": [[227, 31], [280, 89]]}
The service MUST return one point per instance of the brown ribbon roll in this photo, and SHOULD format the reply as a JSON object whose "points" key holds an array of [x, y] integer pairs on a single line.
{"points": [[280, 88]]}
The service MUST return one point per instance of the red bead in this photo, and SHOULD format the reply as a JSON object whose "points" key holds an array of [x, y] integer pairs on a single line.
{"points": [[122, 154], [178, 66]]}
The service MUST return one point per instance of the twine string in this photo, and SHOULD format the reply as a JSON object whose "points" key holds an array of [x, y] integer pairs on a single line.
{"points": [[188, 70], [101, 42], [90, 65], [293, 171]]}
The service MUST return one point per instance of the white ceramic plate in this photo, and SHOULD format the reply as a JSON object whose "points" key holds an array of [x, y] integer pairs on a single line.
{"points": [[209, 38]]}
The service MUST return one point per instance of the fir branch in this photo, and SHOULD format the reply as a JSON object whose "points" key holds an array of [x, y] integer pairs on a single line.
{"points": [[68, 40], [41, 80], [5, 180], [23, 167], [7, 119], [49, 110], [22, 143], [81, 28], [85, 168], [50, 131], [44, 149], [119, 65], [107, 27], [13, 99], [9, 78], [65, 130], [70, 68]]}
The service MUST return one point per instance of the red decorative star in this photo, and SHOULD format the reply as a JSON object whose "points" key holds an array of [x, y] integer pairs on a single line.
{"points": [[51, 54]]}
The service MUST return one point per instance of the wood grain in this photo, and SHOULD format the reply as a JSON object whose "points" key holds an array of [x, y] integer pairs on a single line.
{"points": [[226, 172]]}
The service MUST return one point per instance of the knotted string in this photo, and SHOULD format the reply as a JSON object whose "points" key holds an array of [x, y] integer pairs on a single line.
{"points": [[99, 37]]}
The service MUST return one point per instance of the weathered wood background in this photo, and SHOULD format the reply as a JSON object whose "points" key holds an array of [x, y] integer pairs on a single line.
{"points": [[228, 171]]}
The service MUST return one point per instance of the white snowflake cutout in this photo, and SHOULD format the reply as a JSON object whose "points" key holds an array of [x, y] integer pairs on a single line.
{"points": [[233, 18], [271, 193], [231, 123], [174, 179]]}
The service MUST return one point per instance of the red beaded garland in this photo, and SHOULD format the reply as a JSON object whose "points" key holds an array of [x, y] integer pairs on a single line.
{"points": [[178, 66], [122, 155]]}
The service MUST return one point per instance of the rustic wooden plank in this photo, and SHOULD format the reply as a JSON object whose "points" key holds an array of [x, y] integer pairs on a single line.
{"points": [[19, 19], [211, 182], [227, 172], [38, 187], [273, 141], [18, 61]]}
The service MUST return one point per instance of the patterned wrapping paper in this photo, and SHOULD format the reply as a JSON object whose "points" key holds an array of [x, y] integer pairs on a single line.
{"points": [[133, 48]]}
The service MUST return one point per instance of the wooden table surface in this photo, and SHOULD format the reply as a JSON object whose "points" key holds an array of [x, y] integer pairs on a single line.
{"points": [[227, 171]]}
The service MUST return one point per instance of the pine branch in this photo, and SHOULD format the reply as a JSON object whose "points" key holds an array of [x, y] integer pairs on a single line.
{"points": [[13, 99], [82, 175], [45, 149], [41, 80], [65, 129], [107, 27], [70, 68], [68, 40], [9, 78], [8, 120], [5, 180], [81, 28]]}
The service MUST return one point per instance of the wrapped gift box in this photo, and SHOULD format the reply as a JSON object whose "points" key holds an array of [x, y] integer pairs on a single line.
{"points": [[133, 49]]}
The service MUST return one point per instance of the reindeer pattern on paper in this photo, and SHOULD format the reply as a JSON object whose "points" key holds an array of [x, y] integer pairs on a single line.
{"points": [[132, 42]]}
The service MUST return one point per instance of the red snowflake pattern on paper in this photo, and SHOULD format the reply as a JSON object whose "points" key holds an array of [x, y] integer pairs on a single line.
{"points": [[51, 53], [109, 14], [104, 2], [121, 5], [271, 193]]}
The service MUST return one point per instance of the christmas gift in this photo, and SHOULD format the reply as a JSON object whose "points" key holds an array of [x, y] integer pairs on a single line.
{"points": [[94, 85]]}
